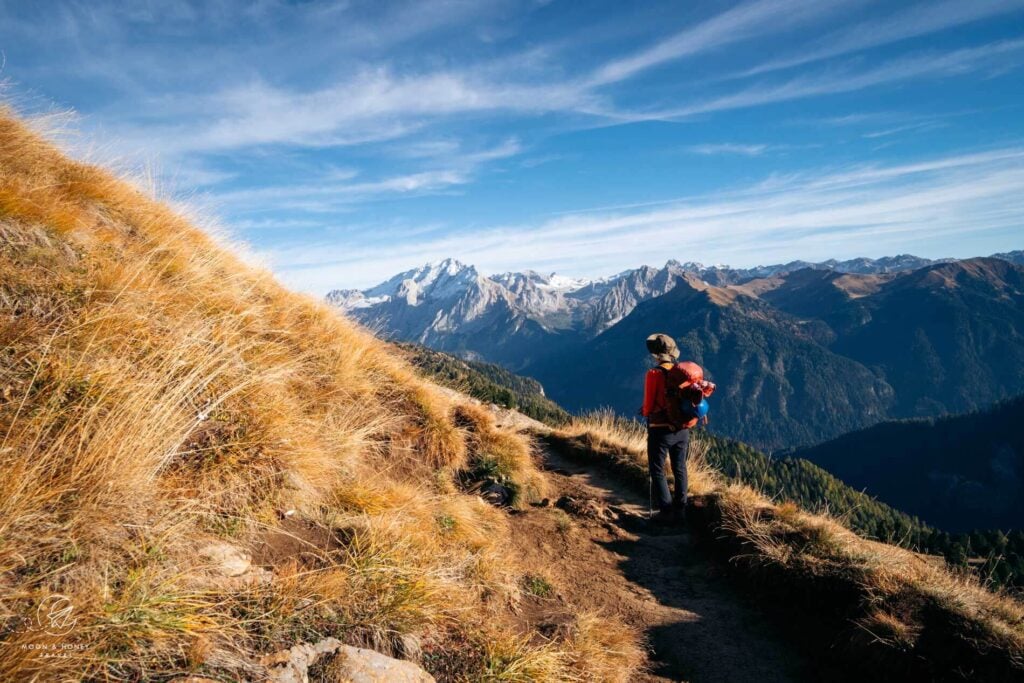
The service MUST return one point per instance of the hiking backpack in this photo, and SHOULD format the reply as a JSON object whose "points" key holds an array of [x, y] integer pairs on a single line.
{"points": [[686, 393]]}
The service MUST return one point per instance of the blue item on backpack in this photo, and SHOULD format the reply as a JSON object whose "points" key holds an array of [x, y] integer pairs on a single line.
{"points": [[698, 411]]}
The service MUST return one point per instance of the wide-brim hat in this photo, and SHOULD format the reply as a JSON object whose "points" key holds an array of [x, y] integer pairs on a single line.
{"points": [[663, 348]]}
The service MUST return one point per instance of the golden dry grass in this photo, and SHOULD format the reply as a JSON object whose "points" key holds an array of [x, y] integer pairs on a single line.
{"points": [[156, 394]]}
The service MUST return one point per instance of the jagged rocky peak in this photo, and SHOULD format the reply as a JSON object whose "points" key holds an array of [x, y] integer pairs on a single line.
{"points": [[687, 266], [347, 298], [437, 280], [445, 280], [527, 279]]}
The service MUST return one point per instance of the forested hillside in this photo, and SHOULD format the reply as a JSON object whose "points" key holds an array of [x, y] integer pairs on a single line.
{"points": [[995, 555], [487, 382]]}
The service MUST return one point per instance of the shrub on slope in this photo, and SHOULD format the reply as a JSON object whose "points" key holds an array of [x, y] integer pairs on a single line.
{"points": [[158, 398]]}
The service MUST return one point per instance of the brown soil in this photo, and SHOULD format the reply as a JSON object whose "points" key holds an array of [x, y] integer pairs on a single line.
{"points": [[602, 555]]}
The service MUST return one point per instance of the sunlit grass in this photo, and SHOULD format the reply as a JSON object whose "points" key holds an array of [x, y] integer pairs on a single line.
{"points": [[156, 394]]}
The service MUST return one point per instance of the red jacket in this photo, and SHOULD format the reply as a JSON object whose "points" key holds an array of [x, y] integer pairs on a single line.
{"points": [[654, 408]]}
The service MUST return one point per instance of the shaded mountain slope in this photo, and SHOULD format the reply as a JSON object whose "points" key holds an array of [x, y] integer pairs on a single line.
{"points": [[948, 338], [777, 384], [958, 473]]}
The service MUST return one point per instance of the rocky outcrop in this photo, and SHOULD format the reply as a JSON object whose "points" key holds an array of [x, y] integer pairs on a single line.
{"points": [[350, 664], [293, 665]]}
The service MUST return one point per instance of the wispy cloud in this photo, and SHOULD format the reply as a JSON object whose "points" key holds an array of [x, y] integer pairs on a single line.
{"points": [[742, 22], [999, 55], [711, 149], [918, 127], [843, 212], [373, 106], [328, 194], [918, 20]]}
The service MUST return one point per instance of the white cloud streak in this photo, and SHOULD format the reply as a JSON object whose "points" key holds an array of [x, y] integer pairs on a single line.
{"points": [[958, 62], [326, 195], [918, 20], [742, 22], [711, 149], [955, 201]]}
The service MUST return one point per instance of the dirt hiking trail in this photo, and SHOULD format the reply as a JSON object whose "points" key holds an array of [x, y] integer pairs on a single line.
{"points": [[592, 544]]}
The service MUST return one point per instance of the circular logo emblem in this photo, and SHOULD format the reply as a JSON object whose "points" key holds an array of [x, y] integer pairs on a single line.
{"points": [[54, 615]]}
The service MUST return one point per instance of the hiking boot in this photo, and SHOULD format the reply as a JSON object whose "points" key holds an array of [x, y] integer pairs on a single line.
{"points": [[662, 519], [679, 513]]}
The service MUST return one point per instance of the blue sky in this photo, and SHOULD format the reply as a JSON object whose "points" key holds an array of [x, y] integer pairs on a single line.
{"points": [[345, 141]]}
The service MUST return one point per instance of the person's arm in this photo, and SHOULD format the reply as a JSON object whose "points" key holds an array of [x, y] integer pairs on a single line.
{"points": [[651, 385]]}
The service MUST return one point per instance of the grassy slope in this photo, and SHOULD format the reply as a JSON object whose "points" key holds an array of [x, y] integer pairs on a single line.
{"points": [[156, 394], [890, 614]]}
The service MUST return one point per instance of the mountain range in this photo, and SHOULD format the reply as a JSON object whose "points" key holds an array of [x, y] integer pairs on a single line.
{"points": [[802, 352]]}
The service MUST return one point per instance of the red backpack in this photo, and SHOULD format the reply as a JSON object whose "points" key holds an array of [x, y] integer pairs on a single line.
{"points": [[685, 388]]}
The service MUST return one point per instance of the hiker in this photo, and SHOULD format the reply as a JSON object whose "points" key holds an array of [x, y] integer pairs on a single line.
{"points": [[670, 389]]}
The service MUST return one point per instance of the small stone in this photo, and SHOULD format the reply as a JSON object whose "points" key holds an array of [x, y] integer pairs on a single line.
{"points": [[226, 559], [367, 666], [496, 494]]}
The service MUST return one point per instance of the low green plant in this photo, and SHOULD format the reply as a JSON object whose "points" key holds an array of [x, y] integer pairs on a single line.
{"points": [[538, 586]]}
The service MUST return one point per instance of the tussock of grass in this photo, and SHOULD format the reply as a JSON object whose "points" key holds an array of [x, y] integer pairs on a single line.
{"points": [[157, 394], [884, 609], [501, 456], [604, 651]]}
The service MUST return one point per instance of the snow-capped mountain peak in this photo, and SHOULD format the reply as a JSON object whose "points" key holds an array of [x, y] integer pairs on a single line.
{"points": [[439, 280]]}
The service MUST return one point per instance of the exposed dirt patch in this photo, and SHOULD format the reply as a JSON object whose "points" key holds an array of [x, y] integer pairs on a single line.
{"points": [[597, 552]]}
